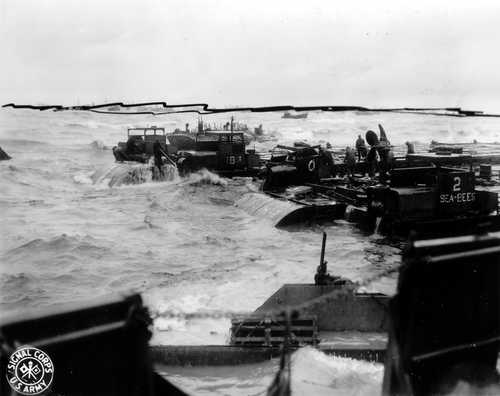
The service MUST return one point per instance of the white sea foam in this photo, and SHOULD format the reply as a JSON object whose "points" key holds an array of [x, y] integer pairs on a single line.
{"points": [[131, 173]]}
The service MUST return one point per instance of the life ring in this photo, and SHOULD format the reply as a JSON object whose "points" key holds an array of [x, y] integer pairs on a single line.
{"points": [[311, 165]]}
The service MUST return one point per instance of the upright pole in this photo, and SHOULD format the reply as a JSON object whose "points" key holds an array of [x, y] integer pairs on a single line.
{"points": [[322, 260]]}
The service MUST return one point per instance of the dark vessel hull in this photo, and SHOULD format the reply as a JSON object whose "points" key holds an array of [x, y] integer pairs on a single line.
{"points": [[182, 141], [295, 116]]}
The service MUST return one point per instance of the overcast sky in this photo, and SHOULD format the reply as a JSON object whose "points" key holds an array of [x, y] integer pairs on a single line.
{"points": [[373, 53]]}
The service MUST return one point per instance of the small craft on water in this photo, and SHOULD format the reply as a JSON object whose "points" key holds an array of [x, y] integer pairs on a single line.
{"points": [[296, 116]]}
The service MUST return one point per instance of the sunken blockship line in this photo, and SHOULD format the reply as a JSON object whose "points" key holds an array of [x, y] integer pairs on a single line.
{"points": [[442, 327]]}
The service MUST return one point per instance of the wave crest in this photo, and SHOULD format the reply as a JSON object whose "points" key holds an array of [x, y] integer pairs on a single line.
{"points": [[204, 176], [53, 249], [99, 145], [132, 173]]}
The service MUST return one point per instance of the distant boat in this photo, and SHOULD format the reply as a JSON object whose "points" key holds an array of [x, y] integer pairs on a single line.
{"points": [[287, 114]]}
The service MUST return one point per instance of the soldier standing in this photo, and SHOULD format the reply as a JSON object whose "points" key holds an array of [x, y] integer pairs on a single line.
{"points": [[360, 148], [157, 151], [410, 148], [350, 161]]}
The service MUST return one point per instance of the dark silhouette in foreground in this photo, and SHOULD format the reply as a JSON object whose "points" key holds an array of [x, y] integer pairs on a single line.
{"points": [[3, 155]]}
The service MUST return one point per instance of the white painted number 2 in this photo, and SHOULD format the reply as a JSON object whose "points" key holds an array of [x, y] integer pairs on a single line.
{"points": [[456, 184]]}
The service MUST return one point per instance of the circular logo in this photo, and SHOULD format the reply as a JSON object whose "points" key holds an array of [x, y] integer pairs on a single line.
{"points": [[30, 371], [311, 165]]}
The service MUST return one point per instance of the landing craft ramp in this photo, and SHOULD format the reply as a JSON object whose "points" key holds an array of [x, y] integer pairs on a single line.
{"points": [[283, 212], [359, 311]]}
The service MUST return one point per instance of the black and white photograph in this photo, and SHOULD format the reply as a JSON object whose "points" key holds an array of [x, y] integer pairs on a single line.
{"points": [[225, 198]]}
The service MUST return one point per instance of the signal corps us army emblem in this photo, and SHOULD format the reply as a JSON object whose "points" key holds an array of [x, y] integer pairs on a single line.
{"points": [[30, 371]]}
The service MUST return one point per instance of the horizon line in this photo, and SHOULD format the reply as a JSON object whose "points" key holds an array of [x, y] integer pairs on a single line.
{"points": [[203, 108]]}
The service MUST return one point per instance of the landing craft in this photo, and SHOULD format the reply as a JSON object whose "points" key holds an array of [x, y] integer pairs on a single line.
{"points": [[444, 329], [439, 330], [283, 200], [334, 316]]}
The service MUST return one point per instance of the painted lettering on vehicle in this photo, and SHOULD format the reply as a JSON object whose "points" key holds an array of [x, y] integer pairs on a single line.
{"points": [[457, 197]]}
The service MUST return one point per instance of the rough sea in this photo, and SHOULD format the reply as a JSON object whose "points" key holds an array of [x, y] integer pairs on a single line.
{"points": [[73, 228]]}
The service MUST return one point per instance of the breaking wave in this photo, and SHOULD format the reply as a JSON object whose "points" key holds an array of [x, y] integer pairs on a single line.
{"points": [[99, 145], [22, 142], [315, 373], [131, 173], [204, 176], [48, 250]]}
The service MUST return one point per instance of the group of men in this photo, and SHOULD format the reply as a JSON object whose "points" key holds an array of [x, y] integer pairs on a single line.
{"points": [[378, 157]]}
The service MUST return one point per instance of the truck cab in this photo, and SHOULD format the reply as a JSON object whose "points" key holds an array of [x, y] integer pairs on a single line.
{"points": [[218, 151], [139, 144], [149, 136]]}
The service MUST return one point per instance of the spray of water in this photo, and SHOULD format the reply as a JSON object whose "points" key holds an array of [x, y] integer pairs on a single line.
{"points": [[133, 173], [203, 177], [313, 372], [378, 220]]}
